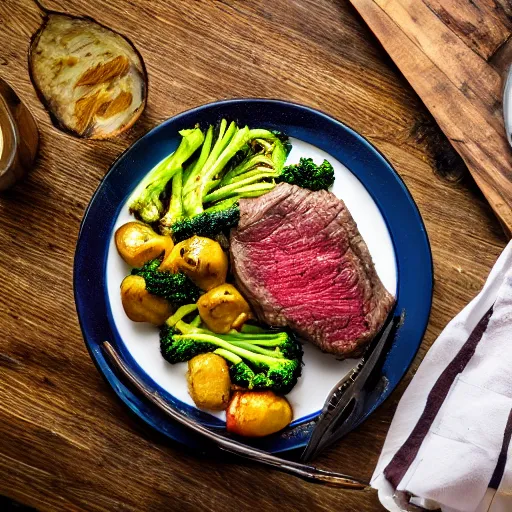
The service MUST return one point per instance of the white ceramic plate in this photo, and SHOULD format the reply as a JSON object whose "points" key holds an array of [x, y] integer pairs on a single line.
{"points": [[321, 371]]}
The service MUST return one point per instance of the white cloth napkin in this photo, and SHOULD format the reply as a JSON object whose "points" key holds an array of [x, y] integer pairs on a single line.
{"points": [[448, 442]]}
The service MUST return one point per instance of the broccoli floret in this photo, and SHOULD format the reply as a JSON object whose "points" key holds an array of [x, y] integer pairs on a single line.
{"points": [[236, 163], [146, 201], [240, 373], [204, 176], [223, 166], [182, 351], [175, 210], [284, 140], [255, 174], [278, 374], [176, 288], [208, 224], [307, 174], [258, 359]]}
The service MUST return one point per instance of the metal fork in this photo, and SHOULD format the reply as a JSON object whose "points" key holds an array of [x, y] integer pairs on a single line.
{"points": [[346, 402]]}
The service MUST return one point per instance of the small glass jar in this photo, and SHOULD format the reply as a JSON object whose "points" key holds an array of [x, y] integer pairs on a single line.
{"points": [[19, 137]]}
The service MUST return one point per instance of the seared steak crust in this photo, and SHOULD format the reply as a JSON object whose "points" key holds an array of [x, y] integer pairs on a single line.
{"points": [[299, 259]]}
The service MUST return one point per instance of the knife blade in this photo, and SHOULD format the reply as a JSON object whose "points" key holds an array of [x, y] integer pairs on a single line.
{"points": [[344, 405], [507, 105]]}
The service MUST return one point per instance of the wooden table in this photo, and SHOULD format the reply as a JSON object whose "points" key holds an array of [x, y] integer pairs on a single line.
{"points": [[66, 442]]}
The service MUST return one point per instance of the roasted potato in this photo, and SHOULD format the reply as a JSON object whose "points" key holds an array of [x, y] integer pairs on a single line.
{"points": [[139, 305], [201, 259], [257, 413], [208, 380], [137, 243], [223, 308]]}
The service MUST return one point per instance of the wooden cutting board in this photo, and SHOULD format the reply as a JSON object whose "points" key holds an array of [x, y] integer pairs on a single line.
{"points": [[455, 54]]}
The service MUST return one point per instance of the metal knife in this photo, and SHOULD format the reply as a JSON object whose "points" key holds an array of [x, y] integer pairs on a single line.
{"points": [[507, 105], [344, 406]]}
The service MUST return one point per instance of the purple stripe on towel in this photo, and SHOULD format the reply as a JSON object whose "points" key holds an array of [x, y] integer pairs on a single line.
{"points": [[404, 457], [502, 459]]}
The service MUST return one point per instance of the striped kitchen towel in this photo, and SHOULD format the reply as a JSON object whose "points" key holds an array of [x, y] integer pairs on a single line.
{"points": [[448, 446]]}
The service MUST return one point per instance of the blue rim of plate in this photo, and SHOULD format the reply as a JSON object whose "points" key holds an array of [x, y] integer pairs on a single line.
{"points": [[408, 234]]}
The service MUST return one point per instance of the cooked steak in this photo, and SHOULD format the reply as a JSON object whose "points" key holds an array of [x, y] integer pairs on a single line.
{"points": [[299, 259]]}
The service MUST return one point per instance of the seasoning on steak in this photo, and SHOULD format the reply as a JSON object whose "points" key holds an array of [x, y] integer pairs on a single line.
{"points": [[299, 259]]}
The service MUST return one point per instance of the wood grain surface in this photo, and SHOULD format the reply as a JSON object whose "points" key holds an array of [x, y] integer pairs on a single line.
{"points": [[66, 442], [483, 25], [432, 44]]}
